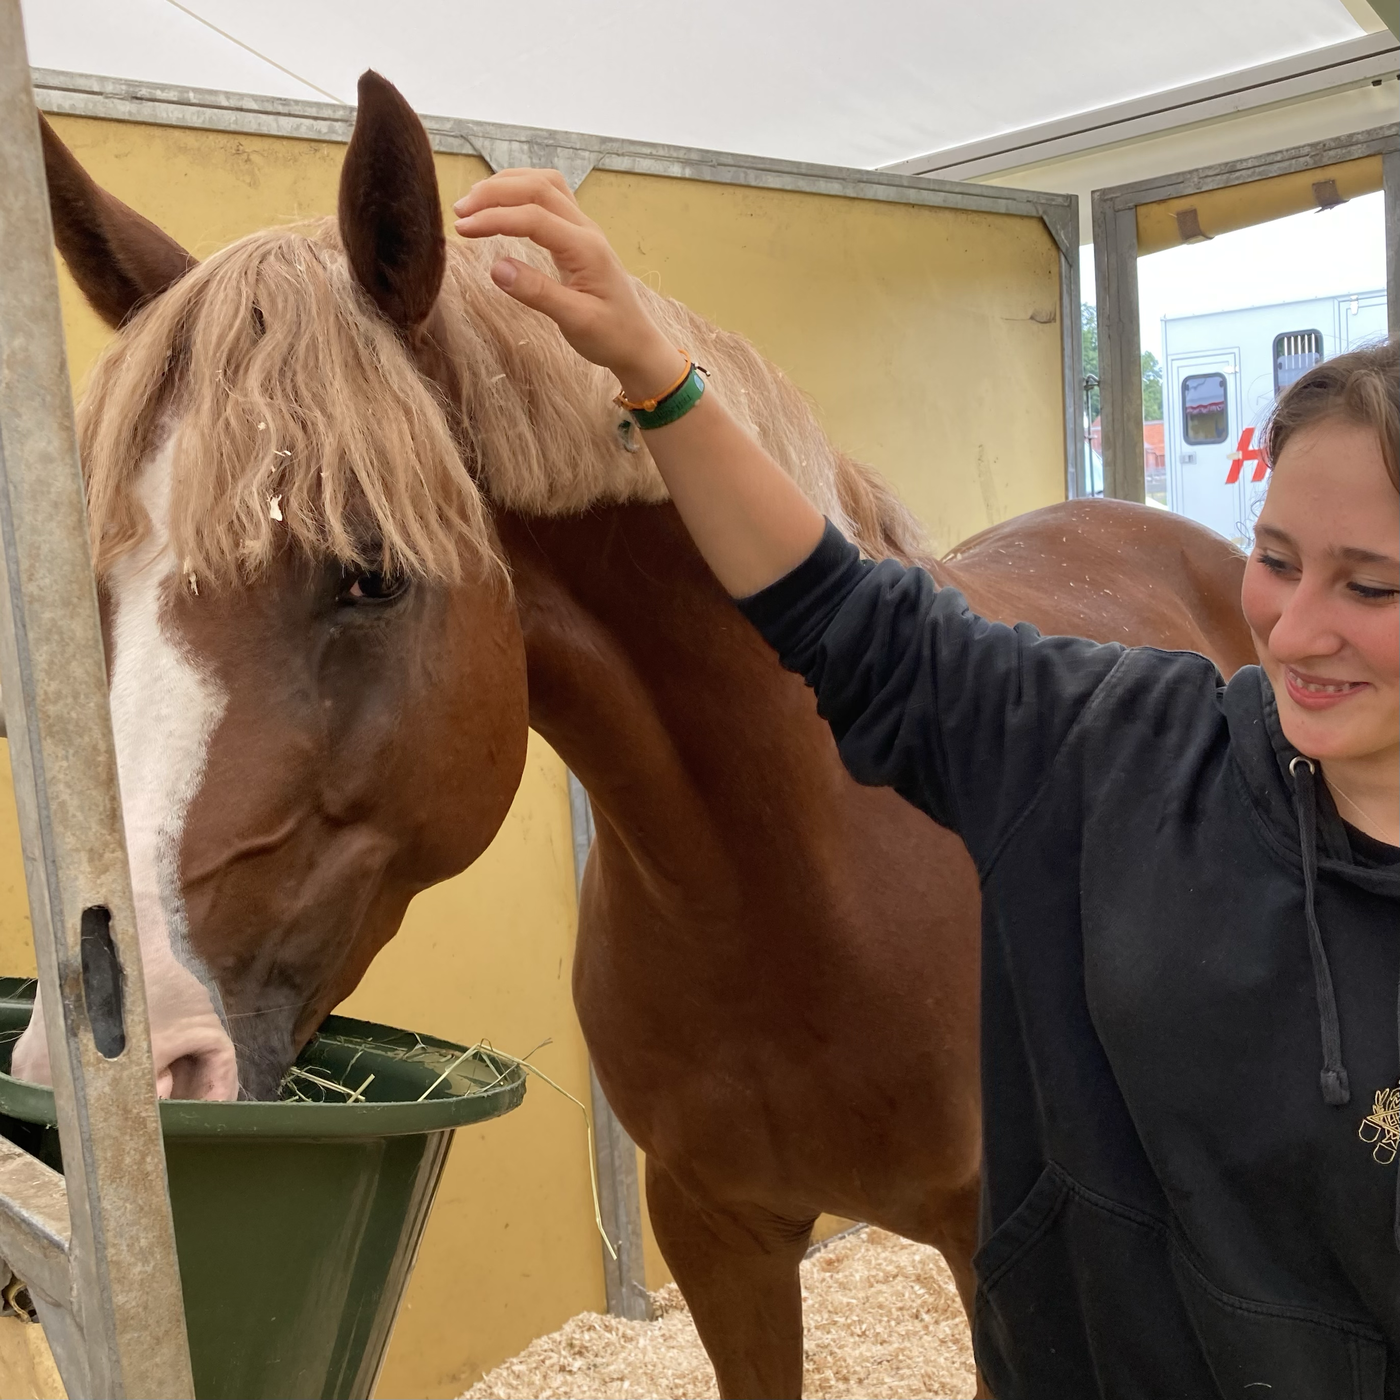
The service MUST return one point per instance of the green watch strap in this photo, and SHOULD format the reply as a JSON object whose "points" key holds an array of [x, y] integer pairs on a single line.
{"points": [[675, 405]]}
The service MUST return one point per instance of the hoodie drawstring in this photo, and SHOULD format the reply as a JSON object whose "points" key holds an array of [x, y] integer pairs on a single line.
{"points": [[1336, 1089]]}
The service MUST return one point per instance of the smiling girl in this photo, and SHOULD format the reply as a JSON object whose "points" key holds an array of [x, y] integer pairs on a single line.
{"points": [[1191, 890], [1320, 593]]}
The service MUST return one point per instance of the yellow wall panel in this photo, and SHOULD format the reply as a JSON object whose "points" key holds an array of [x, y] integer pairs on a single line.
{"points": [[16, 932], [929, 339]]}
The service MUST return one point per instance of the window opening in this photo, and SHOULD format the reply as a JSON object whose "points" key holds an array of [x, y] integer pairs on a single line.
{"points": [[1295, 353], [1203, 413]]}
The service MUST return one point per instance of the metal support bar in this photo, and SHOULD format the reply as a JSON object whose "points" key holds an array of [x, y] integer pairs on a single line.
{"points": [[1120, 354], [1072, 358], [1338, 67], [1331, 151], [1390, 166], [34, 1230], [118, 1327], [573, 153], [619, 1194], [501, 153]]}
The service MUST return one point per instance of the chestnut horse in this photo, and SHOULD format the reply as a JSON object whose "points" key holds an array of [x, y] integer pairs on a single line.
{"points": [[359, 519]]}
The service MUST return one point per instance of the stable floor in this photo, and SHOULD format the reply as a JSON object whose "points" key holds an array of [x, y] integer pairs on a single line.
{"points": [[883, 1321]]}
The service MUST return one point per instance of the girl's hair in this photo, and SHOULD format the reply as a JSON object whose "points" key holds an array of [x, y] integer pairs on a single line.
{"points": [[1361, 387]]}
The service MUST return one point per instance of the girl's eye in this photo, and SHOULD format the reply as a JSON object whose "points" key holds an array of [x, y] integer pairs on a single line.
{"points": [[1372, 594], [370, 586], [1274, 564]]}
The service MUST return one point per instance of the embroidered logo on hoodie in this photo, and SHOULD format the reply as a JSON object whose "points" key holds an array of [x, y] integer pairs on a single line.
{"points": [[1380, 1129]]}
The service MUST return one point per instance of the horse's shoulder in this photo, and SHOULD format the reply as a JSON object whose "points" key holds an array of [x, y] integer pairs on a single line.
{"points": [[1110, 571]]}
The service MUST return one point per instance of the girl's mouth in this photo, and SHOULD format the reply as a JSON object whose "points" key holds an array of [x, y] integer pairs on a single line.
{"points": [[1319, 692]]}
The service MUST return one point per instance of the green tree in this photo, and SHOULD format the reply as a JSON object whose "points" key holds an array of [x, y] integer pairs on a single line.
{"points": [[1089, 327], [1151, 369], [1151, 388]]}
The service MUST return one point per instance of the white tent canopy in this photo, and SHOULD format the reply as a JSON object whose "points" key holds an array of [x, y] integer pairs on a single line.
{"points": [[842, 84]]}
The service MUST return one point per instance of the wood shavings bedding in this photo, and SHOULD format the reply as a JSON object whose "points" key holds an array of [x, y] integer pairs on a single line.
{"points": [[883, 1322]]}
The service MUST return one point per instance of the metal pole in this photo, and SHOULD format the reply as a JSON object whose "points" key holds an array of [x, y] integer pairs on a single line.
{"points": [[1390, 168], [1072, 351], [1120, 351], [619, 1192], [119, 1330]]}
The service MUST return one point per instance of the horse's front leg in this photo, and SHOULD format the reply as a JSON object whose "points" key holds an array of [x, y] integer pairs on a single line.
{"points": [[953, 1232], [738, 1272]]}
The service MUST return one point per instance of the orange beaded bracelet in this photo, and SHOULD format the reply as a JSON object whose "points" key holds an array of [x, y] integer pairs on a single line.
{"points": [[648, 405]]}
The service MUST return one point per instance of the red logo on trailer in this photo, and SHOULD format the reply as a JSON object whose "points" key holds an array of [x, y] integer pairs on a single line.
{"points": [[1245, 453]]}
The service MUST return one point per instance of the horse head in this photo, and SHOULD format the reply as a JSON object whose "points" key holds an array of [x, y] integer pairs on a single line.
{"points": [[317, 670]]}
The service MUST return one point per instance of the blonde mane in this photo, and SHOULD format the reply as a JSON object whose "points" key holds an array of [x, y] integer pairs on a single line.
{"points": [[301, 417]]}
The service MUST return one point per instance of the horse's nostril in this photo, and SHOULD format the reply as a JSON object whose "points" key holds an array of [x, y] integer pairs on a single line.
{"points": [[198, 1076], [199, 1063]]}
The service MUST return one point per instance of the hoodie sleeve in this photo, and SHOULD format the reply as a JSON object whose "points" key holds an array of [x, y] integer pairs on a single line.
{"points": [[962, 717]]}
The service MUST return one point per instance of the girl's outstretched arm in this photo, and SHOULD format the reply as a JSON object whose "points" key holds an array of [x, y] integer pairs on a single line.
{"points": [[746, 515]]}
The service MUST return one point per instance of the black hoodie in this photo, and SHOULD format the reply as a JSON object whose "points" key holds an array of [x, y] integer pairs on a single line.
{"points": [[1190, 1027]]}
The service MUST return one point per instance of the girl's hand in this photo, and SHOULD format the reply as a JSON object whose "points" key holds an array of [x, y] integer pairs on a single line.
{"points": [[748, 517], [595, 301]]}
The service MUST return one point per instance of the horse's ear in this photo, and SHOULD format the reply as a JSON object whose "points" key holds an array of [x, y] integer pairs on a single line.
{"points": [[117, 258], [390, 216]]}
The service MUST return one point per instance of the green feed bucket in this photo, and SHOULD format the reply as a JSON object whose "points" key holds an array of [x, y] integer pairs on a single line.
{"points": [[297, 1222]]}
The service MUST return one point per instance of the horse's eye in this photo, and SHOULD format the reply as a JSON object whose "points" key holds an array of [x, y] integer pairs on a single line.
{"points": [[370, 586]]}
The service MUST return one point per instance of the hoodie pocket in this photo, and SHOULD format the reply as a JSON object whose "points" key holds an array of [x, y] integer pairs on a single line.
{"points": [[1262, 1349], [1076, 1299]]}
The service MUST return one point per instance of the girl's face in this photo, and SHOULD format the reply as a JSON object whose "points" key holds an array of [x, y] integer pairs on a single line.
{"points": [[1320, 593]]}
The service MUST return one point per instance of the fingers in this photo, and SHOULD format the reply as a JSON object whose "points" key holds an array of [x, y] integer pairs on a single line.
{"points": [[547, 173], [593, 301], [537, 290], [547, 188], [577, 250]]}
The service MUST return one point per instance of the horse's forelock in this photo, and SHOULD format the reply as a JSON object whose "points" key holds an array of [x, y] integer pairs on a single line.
{"points": [[300, 414], [294, 398]]}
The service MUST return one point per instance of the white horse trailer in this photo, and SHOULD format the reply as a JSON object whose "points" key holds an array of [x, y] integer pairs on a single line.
{"points": [[1223, 370]]}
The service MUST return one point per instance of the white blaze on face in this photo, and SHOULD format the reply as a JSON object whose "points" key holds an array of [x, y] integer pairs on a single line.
{"points": [[164, 710]]}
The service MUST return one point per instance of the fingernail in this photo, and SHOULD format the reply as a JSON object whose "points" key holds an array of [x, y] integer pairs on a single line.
{"points": [[503, 274], [460, 205]]}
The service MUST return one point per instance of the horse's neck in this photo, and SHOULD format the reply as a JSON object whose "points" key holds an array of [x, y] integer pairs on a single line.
{"points": [[654, 690]]}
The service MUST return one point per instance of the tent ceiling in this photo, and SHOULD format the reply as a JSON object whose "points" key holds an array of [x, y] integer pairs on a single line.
{"points": [[822, 81]]}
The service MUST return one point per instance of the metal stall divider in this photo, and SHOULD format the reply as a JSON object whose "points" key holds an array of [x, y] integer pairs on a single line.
{"points": [[95, 1246], [1115, 218], [619, 1192]]}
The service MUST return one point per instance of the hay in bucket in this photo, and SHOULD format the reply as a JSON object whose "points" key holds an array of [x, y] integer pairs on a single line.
{"points": [[882, 1320]]}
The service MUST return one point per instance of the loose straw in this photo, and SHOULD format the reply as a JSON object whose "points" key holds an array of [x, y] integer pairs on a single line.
{"points": [[558, 1088], [357, 1096]]}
